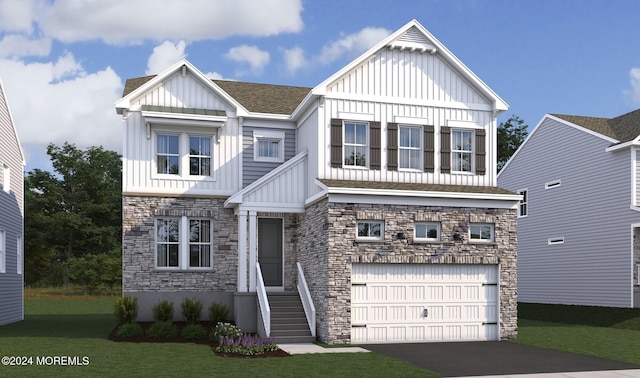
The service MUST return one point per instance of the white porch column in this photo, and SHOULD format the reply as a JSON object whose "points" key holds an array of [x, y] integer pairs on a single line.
{"points": [[253, 249], [242, 251]]}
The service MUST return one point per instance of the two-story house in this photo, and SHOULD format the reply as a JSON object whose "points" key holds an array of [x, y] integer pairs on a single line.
{"points": [[11, 218], [373, 195], [579, 219]]}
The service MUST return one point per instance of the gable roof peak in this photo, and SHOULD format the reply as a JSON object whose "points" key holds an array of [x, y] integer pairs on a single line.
{"points": [[622, 128]]}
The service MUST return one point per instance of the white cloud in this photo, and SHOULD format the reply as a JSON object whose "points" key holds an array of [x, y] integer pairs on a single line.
{"points": [[294, 59], [18, 15], [214, 76], [252, 55], [59, 102], [634, 94], [18, 45], [164, 56], [353, 44], [126, 22]]}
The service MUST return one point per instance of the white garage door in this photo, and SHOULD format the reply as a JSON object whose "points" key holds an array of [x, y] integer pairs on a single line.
{"points": [[394, 303]]}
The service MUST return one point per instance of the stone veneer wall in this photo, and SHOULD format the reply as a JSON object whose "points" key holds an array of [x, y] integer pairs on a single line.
{"points": [[327, 247], [139, 276]]}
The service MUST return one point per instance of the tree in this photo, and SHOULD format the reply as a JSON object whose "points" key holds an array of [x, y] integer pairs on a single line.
{"points": [[510, 135], [72, 213]]}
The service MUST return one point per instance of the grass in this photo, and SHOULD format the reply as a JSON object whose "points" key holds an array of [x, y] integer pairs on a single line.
{"points": [[604, 332], [66, 324]]}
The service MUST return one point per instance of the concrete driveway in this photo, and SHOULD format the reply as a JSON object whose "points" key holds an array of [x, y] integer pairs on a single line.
{"points": [[492, 358]]}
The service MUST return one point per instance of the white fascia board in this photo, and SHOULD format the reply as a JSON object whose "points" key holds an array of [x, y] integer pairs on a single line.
{"points": [[13, 125], [409, 101], [177, 118], [424, 194], [271, 207], [585, 130], [486, 203], [142, 191]]}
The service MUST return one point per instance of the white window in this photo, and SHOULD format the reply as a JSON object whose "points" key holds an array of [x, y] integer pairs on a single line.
{"points": [[189, 156], [481, 232], [426, 231], [410, 147], [552, 184], [268, 146], [461, 150], [168, 154], [523, 208], [370, 230], [199, 155], [6, 178], [356, 148], [184, 243], [3, 252], [20, 261], [558, 240]]}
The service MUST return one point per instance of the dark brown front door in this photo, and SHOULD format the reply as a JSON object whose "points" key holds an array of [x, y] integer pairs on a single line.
{"points": [[270, 250]]}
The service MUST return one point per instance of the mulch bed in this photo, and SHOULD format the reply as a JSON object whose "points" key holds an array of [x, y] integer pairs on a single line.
{"points": [[180, 325]]}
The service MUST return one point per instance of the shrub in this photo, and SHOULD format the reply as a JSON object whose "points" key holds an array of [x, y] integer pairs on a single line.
{"points": [[248, 345], [126, 309], [194, 332], [162, 330], [218, 312], [224, 330], [163, 311], [130, 330], [191, 310]]}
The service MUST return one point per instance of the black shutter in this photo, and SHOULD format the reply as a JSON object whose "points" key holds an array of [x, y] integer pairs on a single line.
{"points": [[392, 146], [336, 143], [481, 159], [429, 149], [374, 145], [445, 149]]}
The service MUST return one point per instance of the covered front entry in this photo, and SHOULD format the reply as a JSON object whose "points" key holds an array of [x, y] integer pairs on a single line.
{"points": [[270, 252], [395, 303]]}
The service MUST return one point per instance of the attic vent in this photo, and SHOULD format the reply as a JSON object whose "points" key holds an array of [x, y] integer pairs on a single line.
{"points": [[413, 40], [413, 35], [552, 241], [552, 184]]}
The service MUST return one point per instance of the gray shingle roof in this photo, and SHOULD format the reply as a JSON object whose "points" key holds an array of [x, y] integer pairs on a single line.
{"points": [[622, 128], [256, 98], [413, 187]]}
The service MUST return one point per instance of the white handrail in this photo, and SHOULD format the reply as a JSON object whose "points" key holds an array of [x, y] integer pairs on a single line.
{"points": [[263, 301], [307, 302]]}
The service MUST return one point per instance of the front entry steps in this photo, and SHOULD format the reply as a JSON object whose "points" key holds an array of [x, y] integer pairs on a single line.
{"points": [[288, 321]]}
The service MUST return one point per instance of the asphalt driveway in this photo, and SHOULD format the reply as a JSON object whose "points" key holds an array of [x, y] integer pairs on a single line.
{"points": [[492, 358]]}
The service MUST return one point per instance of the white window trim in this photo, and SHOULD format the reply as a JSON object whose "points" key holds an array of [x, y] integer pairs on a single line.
{"points": [[420, 148], [184, 154], [426, 239], [525, 203], [490, 240], [552, 184], [268, 135], [367, 145], [183, 245], [3, 251], [6, 178], [370, 238], [556, 240], [472, 152], [19, 255]]}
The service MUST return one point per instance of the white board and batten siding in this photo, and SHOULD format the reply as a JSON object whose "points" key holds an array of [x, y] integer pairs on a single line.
{"points": [[139, 144], [396, 303], [590, 209], [408, 88]]}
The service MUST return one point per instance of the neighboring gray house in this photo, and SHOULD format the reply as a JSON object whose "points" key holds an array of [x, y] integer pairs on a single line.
{"points": [[378, 185], [579, 220], [11, 218]]}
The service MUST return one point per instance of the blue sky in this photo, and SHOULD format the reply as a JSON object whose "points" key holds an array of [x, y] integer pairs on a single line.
{"points": [[63, 64]]}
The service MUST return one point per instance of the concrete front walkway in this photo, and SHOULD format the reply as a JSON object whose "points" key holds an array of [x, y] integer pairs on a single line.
{"points": [[313, 348], [578, 374]]}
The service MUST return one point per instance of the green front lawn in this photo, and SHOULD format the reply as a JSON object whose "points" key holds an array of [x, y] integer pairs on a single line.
{"points": [[609, 333], [75, 326]]}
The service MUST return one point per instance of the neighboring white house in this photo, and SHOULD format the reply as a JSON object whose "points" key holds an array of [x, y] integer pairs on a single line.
{"points": [[579, 220], [378, 186], [11, 218]]}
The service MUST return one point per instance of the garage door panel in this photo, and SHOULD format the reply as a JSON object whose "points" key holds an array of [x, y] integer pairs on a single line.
{"points": [[389, 303]]}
